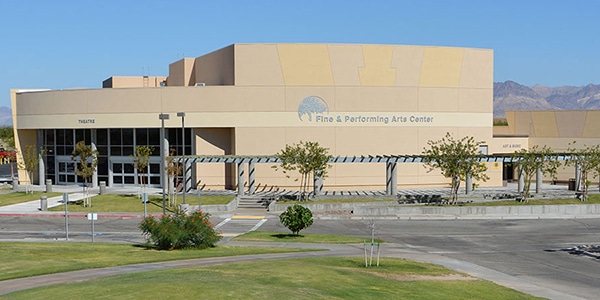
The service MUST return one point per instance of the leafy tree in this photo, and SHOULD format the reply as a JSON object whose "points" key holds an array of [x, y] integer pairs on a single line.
{"points": [[456, 159], [530, 160], [86, 161], [7, 137], [30, 163], [296, 218], [588, 160], [141, 161], [308, 158]]}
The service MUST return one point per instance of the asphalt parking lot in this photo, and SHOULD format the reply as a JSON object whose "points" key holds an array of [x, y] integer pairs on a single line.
{"points": [[527, 249]]}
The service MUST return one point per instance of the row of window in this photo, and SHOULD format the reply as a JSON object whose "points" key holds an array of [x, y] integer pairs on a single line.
{"points": [[109, 143]]}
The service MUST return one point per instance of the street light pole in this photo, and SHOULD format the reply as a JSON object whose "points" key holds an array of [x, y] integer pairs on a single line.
{"points": [[162, 118], [184, 169]]}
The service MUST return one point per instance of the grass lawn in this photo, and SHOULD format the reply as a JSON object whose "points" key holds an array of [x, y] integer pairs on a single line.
{"points": [[20, 197], [269, 236], [131, 203], [305, 278], [30, 259]]}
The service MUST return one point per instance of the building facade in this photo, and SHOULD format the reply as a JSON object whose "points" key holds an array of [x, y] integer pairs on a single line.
{"points": [[253, 99]]}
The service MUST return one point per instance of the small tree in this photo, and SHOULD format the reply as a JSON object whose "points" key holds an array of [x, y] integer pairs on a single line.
{"points": [[296, 218], [30, 163], [587, 159], [86, 161], [530, 160], [141, 161], [173, 169], [456, 159], [308, 158]]}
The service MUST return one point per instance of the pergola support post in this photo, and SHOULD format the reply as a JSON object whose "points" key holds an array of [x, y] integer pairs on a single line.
{"points": [[391, 178], [251, 181], [318, 183], [240, 179], [521, 180], [468, 184], [539, 176]]}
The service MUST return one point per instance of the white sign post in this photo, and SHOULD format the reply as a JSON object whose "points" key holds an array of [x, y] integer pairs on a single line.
{"points": [[92, 217], [66, 202]]}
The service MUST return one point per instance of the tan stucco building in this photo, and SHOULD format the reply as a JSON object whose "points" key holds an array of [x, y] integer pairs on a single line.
{"points": [[253, 99]]}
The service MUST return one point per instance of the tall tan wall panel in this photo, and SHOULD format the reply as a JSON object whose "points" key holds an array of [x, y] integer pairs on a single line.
{"points": [[257, 65], [477, 69], [570, 123], [592, 124], [305, 64], [408, 61], [216, 68], [377, 69], [441, 67], [23, 140], [345, 63]]}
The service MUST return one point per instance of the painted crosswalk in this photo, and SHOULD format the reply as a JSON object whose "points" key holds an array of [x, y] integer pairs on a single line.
{"points": [[239, 224]]}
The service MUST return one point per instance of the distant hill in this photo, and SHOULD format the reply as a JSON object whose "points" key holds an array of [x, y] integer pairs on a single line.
{"points": [[510, 95]]}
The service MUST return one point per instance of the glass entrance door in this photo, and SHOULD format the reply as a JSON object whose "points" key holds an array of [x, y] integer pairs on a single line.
{"points": [[66, 171], [123, 173]]}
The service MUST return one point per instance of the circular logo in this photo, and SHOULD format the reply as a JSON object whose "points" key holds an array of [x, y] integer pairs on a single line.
{"points": [[312, 105]]}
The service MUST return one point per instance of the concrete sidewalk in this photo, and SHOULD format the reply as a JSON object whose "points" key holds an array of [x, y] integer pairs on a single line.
{"points": [[35, 205]]}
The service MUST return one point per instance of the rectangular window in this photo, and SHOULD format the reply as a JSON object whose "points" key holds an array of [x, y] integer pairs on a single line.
{"points": [[483, 149], [127, 135], [141, 137], [102, 137]]}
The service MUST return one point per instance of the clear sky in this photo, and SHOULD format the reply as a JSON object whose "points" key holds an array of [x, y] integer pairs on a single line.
{"points": [[79, 43]]}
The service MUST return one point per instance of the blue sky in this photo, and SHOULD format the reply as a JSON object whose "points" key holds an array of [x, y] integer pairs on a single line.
{"points": [[79, 43]]}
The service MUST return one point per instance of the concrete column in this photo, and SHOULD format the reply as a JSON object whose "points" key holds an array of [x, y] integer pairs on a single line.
{"points": [[539, 176], [41, 169], [41, 165], [318, 183], [95, 175], [165, 151], [251, 181], [468, 184], [240, 179], [521, 182]]}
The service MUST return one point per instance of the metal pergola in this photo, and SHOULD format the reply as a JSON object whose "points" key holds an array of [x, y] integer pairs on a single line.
{"points": [[391, 162]]}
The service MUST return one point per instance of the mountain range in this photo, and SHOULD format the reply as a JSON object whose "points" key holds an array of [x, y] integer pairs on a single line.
{"points": [[508, 95]]}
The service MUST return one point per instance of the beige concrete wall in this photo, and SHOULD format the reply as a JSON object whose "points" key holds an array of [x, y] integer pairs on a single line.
{"points": [[555, 124], [181, 73], [214, 141], [363, 65], [428, 91], [559, 130], [216, 68], [25, 139], [133, 81]]}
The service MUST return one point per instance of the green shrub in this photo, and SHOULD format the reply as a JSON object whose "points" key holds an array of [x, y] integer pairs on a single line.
{"points": [[296, 218], [180, 231]]}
